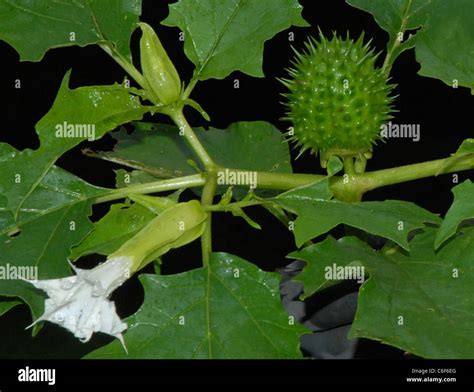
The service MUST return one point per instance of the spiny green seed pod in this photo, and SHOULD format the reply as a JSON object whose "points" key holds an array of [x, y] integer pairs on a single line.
{"points": [[161, 78], [338, 100]]}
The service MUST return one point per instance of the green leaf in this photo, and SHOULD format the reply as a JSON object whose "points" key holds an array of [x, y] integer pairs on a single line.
{"points": [[142, 174], [124, 178], [156, 204], [196, 106], [461, 210], [91, 111], [321, 257], [120, 224], [318, 190], [230, 309], [445, 44], [395, 16], [239, 212], [53, 217], [219, 33], [432, 292], [109, 22], [156, 149], [419, 301], [98, 109], [466, 147], [7, 304], [32, 297], [317, 214], [58, 206], [334, 165], [254, 146]]}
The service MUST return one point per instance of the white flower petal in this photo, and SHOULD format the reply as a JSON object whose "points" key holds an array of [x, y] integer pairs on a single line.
{"points": [[79, 303]]}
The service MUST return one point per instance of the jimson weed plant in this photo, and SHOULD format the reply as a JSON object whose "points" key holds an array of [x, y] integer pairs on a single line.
{"points": [[338, 103]]}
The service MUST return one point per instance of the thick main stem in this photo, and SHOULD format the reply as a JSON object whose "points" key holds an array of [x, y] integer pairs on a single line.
{"points": [[211, 178], [396, 175], [207, 199], [368, 181], [286, 181]]}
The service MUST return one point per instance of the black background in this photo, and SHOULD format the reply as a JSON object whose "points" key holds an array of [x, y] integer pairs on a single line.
{"points": [[441, 111]]}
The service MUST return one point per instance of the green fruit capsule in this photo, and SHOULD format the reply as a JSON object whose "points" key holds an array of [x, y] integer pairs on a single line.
{"points": [[162, 79], [174, 227], [337, 99]]}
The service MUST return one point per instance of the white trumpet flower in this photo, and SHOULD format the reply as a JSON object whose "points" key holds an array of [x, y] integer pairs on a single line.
{"points": [[80, 303]]}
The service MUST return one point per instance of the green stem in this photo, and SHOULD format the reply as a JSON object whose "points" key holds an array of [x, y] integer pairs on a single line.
{"points": [[233, 206], [361, 183], [388, 61], [178, 117], [286, 181], [360, 164], [349, 166], [389, 58], [125, 64], [207, 199], [279, 181], [189, 88], [154, 187], [396, 175]]}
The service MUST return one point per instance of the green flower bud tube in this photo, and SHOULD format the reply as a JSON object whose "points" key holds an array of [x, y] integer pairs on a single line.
{"points": [[174, 227], [161, 78]]}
